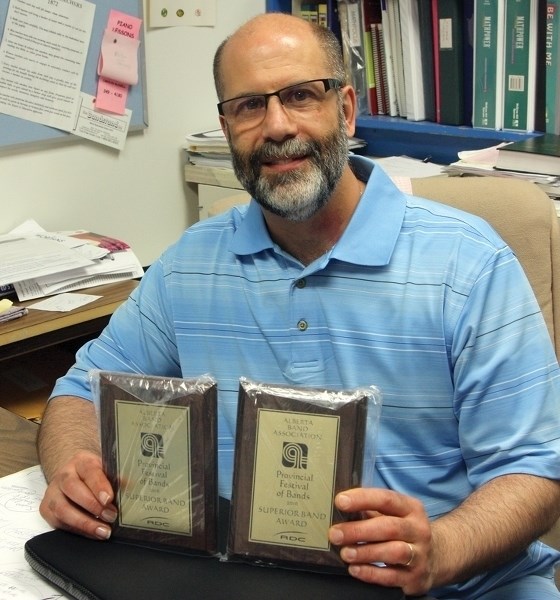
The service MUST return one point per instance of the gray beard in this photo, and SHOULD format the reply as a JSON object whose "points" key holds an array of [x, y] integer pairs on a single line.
{"points": [[294, 195]]}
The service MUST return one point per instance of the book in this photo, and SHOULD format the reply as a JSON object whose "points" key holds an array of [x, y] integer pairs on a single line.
{"points": [[415, 109], [388, 60], [552, 67], [309, 12], [539, 154], [540, 76], [350, 16], [380, 69], [371, 13], [488, 64], [435, 54], [396, 49], [450, 52], [323, 14], [427, 43], [520, 65], [7, 290], [468, 57]]}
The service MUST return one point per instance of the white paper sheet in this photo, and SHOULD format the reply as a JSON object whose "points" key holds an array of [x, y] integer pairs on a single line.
{"points": [[42, 59], [36, 257], [20, 496], [64, 302]]}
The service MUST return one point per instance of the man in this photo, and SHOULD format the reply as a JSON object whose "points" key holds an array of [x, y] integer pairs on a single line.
{"points": [[332, 277]]}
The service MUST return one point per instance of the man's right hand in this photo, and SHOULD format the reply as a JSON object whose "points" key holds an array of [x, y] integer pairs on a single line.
{"points": [[79, 498]]}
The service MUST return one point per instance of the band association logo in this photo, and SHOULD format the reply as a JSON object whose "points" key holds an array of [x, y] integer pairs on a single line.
{"points": [[151, 445], [294, 455]]}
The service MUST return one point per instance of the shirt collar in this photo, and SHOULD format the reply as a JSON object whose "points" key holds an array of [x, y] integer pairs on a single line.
{"points": [[369, 238]]}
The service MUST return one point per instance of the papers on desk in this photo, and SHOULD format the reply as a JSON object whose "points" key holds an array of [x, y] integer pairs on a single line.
{"points": [[40, 263], [63, 302], [29, 257], [20, 496]]}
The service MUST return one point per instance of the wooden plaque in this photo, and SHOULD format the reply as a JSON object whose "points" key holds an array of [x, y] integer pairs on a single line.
{"points": [[159, 452], [294, 452]]}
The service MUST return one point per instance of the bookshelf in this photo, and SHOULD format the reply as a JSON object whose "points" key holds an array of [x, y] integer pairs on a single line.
{"points": [[395, 136]]}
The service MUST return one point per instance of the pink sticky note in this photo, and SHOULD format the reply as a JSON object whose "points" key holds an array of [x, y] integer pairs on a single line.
{"points": [[111, 94]]}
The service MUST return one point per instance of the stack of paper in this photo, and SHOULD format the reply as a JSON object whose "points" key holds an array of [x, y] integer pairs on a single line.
{"points": [[39, 263], [211, 149], [483, 163], [208, 148]]}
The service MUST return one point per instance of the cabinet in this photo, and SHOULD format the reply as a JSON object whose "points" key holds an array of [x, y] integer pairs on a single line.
{"points": [[39, 347], [389, 136], [208, 195]]}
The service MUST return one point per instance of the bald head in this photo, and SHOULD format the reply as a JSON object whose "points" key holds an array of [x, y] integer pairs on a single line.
{"points": [[267, 36]]}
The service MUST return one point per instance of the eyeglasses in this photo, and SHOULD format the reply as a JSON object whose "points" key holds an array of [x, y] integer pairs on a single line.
{"points": [[300, 98]]}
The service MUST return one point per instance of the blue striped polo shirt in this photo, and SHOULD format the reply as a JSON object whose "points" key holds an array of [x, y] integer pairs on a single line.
{"points": [[422, 300]]}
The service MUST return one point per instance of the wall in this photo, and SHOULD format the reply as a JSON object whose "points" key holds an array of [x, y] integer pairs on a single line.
{"points": [[138, 194]]}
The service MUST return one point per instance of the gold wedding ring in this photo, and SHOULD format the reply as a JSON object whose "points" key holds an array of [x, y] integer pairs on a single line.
{"points": [[412, 555]]}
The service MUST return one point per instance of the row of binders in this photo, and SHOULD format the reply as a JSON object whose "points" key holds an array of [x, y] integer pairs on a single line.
{"points": [[484, 63]]}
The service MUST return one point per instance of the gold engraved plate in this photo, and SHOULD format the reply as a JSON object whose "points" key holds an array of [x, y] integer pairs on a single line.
{"points": [[294, 478], [153, 459]]}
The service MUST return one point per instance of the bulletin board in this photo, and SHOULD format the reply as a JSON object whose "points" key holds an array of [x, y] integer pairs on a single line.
{"points": [[16, 132]]}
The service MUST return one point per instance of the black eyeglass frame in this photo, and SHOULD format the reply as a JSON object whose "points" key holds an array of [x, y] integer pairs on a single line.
{"points": [[330, 83]]}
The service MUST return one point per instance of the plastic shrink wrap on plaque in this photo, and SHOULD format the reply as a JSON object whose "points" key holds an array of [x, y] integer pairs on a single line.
{"points": [[158, 439], [296, 448]]}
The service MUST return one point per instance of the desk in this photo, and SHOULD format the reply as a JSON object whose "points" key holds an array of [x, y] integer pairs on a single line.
{"points": [[40, 328], [26, 379], [17, 443]]}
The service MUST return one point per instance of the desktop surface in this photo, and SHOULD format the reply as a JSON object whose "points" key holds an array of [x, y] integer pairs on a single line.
{"points": [[39, 328]]}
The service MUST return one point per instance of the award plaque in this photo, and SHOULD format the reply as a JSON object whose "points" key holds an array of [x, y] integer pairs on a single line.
{"points": [[158, 438], [296, 448]]}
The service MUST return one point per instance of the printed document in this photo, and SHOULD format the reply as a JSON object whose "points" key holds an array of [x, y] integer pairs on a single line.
{"points": [[42, 59], [20, 496]]}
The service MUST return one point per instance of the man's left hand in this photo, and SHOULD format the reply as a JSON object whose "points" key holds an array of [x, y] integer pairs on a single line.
{"points": [[392, 545]]}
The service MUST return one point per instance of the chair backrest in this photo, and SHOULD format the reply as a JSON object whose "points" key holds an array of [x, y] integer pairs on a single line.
{"points": [[526, 219]]}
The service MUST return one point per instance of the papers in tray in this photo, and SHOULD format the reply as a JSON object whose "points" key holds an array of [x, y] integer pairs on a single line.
{"points": [[207, 141], [39, 263], [483, 163]]}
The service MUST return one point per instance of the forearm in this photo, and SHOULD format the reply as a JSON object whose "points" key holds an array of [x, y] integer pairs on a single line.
{"points": [[68, 426], [493, 525]]}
